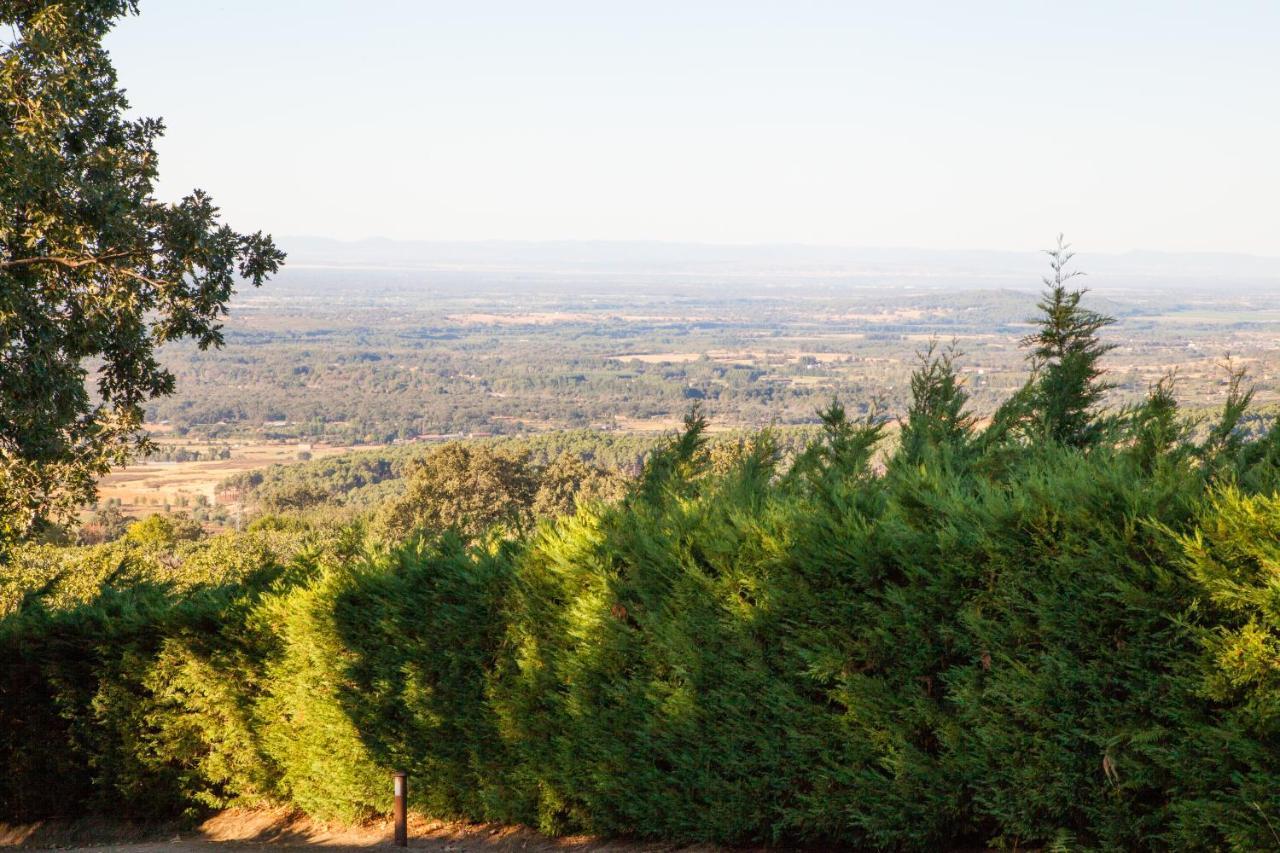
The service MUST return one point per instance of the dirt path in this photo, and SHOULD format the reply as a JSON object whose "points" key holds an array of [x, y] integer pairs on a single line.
{"points": [[240, 830]]}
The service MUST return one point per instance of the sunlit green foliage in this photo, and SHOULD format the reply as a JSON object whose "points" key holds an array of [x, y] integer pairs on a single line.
{"points": [[92, 265], [1025, 635], [472, 488]]}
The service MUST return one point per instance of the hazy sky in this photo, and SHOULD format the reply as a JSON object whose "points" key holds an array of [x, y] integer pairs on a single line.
{"points": [[935, 124]]}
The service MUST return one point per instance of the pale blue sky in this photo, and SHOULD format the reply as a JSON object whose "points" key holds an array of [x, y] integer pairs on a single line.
{"points": [[934, 124]]}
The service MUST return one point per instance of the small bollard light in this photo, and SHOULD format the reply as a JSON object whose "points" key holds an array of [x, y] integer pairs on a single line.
{"points": [[401, 820]]}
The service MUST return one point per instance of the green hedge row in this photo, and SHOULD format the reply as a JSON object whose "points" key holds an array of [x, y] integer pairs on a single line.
{"points": [[1073, 649], [1061, 630]]}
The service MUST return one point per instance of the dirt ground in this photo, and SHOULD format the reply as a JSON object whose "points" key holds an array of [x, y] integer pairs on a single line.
{"points": [[145, 486], [281, 830]]}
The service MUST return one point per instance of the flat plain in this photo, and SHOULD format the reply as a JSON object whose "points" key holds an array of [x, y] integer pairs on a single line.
{"points": [[345, 356]]}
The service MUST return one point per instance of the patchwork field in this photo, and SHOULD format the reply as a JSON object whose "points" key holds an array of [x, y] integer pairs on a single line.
{"points": [[324, 360], [151, 486]]}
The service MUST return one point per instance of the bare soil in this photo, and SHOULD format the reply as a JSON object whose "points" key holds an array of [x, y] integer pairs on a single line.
{"points": [[274, 830]]}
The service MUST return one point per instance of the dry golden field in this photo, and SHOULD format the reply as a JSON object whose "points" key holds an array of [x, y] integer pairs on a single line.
{"points": [[146, 487]]}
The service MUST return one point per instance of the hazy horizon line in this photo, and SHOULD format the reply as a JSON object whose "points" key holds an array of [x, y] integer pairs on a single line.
{"points": [[775, 244]]}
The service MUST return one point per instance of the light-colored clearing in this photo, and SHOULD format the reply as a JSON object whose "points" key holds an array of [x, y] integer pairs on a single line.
{"points": [[146, 487], [747, 357]]}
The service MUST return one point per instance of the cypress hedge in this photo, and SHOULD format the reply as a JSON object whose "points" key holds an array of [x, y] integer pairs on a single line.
{"points": [[1060, 629]]}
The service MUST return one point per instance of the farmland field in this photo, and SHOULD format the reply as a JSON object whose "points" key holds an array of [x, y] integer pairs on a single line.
{"points": [[348, 356], [152, 485]]}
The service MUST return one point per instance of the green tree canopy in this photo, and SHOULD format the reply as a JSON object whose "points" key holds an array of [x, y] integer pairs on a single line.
{"points": [[95, 271], [937, 418], [567, 482], [164, 530], [1066, 353], [464, 487]]}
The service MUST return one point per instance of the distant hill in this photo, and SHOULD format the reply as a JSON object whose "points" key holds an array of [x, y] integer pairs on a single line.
{"points": [[763, 261]]}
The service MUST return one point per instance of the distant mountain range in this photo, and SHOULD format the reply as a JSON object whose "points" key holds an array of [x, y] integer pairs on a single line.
{"points": [[697, 259]]}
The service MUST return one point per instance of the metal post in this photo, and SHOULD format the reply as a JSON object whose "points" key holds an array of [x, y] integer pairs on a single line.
{"points": [[401, 821]]}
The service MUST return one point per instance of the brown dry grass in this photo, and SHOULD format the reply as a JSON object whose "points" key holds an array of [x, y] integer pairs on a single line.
{"points": [[531, 318], [145, 487], [553, 318], [747, 357]]}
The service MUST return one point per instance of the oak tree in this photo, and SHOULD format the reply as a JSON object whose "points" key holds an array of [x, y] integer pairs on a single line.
{"points": [[95, 272]]}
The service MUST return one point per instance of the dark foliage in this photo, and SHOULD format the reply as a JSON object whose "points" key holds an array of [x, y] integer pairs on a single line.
{"points": [[1059, 631]]}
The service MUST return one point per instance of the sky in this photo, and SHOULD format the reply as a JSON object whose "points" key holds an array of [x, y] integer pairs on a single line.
{"points": [[950, 125]]}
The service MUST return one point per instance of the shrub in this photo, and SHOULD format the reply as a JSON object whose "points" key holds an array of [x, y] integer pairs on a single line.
{"points": [[1059, 631]]}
